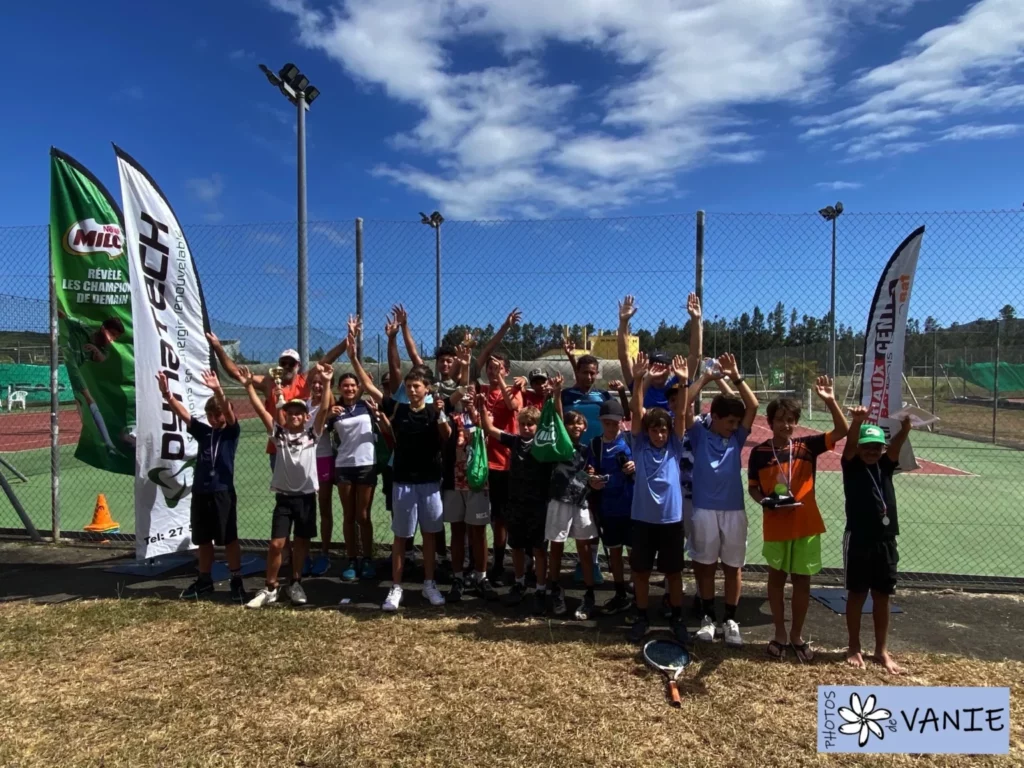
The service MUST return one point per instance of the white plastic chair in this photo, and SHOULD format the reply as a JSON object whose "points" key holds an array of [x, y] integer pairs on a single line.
{"points": [[18, 397]]}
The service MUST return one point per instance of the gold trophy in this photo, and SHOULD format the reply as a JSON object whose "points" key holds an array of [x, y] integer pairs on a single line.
{"points": [[277, 372]]}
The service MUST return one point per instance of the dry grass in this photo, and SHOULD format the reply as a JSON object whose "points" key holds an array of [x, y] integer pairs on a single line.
{"points": [[141, 683]]}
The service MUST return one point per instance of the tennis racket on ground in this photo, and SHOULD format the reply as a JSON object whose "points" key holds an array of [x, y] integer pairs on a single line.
{"points": [[670, 658]]}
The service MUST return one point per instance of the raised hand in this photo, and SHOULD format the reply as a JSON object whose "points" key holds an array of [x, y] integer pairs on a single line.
{"points": [[680, 368], [823, 388], [727, 364], [693, 306], [244, 375], [481, 402], [640, 366], [163, 385], [212, 338], [513, 317], [627, 308], [519, 382], [326, 372], [210, 379], [464, 353], [616, 386], [658, 369], [372, 407], [568, 345], [401, 316], [556, 383], [355, 324], [391, 327], [858, 414], [350, 344]]}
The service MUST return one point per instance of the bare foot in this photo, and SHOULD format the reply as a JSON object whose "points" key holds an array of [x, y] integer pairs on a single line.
{"points": [[854, 659], [887, 661]]}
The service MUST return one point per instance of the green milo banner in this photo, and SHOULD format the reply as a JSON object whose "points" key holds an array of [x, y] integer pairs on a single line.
{"points": [[94, 312]]}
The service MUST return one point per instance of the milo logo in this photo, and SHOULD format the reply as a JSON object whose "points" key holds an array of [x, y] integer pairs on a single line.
{"points": [[89, 236], [545, 435]]}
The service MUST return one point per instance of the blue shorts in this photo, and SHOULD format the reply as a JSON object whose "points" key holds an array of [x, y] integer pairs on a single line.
{"points": [[416, 503]]}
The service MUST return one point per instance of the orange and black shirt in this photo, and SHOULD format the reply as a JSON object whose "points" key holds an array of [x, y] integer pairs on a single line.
{"points": [[769, 467]]}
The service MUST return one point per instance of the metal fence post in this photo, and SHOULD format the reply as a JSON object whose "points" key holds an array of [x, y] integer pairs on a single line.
{"points": [[54, 411], [995, 385], [359, 286], [935, 365], [699, 258]]}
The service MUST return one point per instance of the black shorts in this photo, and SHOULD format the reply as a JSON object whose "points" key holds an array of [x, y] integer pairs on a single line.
{"points": [[525, 523], [870, 565], [497, 487], [356, 475], [214, 518], [661, 540], [299, 511], [386, 474], [615, 532]]}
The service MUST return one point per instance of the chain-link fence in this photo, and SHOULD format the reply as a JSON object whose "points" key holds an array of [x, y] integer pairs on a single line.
{"points": [[766, 287]]}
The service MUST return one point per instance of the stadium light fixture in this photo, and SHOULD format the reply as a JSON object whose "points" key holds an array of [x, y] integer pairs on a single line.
{"points": [[296, 87], [832, 213], [434, 221]]}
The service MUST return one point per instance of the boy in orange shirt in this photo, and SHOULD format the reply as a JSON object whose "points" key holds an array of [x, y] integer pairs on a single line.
{"points": [[781, 479]]}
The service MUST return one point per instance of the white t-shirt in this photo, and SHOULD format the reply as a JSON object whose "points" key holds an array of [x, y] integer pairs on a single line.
{"points": [[354, 428], [324, 449], [295, 467]]}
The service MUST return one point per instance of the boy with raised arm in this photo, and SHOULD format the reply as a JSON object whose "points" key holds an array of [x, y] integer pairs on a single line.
{"points": [[719, 523], [295, 482], [656, 532], [872, 525], [214, 515], [419, 430], [782, 470], [503, 404], [568, 514]]}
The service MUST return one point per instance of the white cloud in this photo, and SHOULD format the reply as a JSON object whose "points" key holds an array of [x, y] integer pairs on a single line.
{"points": [[507, 138], [213, 217], [206, 189], [965, 132], [331, 233], [838, 185], [240, 54], [970, 66]]}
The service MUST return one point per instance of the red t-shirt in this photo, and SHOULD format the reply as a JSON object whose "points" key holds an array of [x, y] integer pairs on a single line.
{"points": [[498, 456], [298, 389], [533, 398]]}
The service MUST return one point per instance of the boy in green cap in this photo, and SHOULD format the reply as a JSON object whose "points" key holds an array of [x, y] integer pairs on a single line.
{"points": [[869, 544]]}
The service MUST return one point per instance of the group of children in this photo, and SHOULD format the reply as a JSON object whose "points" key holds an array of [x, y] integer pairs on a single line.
{"points": [[670, 483]]}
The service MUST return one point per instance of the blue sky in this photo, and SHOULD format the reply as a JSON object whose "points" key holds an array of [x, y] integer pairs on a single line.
{"points": [[535, 109]]}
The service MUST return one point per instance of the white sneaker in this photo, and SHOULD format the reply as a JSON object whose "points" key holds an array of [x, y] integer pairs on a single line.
{"points": [[706, 633], [731, 630], [432, 593], [297, 594], [264, 597], [394, 599]]}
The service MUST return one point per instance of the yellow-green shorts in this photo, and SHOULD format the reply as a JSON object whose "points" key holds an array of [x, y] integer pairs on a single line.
{"points": [[800, 556]]}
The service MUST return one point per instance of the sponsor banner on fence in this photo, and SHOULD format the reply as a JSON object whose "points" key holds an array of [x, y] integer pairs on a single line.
{"points": [[94, 314], [882, 375], [914, 719], [170, 329]]}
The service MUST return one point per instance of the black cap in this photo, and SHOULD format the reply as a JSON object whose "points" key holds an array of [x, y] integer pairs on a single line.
{"points": [[611, 409], [661, 358]]}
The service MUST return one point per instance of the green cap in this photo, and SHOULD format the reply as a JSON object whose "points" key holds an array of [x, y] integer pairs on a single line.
{"points": [[871, 433]]}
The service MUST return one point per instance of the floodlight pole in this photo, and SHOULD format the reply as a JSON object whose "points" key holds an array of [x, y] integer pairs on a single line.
{"points": [[832, 310], [303, 266]]}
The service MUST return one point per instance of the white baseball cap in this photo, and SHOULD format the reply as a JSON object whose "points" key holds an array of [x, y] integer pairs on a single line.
{"points": [[290, 353]]}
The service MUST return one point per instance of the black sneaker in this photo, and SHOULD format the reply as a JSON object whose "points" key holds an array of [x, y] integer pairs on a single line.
{"points": [[497, 575], [666, 606], [455, 591], [638, 631], [516, 594], [197, 588], [558, 602], [531, 578], [587, 608], [486, 590], [540, 603], [679, 632], [238, 593], [445, 572], [617, 604]]}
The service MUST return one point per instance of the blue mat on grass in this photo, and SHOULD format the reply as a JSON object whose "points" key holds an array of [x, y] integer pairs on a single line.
{"points": [[835, 599]]}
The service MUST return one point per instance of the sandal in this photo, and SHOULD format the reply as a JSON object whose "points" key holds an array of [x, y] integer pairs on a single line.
{"points": [[803, 653], [777, 650]]}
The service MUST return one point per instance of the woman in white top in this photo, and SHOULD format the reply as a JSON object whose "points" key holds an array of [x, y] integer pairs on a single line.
{"points": [[325, 474], [352, 425]]}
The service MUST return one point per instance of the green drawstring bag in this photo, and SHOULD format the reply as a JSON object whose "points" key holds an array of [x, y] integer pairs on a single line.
{"points": [[552, 442], [476, 464]]}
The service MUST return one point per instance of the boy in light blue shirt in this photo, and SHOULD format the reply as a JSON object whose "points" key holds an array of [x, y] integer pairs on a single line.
{"points": [[719, 523]]}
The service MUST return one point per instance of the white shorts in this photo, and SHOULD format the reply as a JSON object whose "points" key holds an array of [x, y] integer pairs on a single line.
{"points": [[688, 521], [566, 521], [718, 534], [416, 503], [470, 507]]}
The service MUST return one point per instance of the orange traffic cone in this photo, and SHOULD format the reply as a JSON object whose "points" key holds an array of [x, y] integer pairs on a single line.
{"points": [[102, 522]]}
